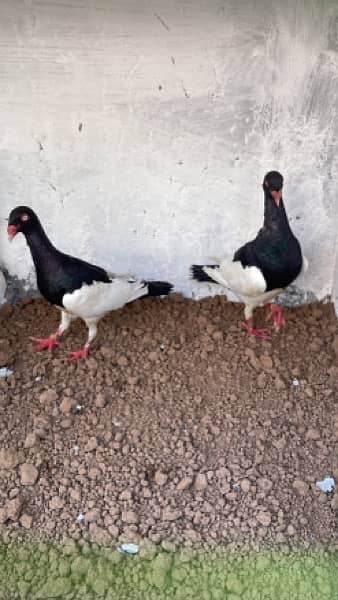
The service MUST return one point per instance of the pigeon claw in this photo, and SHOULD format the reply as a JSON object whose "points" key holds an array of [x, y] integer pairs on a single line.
{"points": [[83, 353], [44, 343], [260, 333]]}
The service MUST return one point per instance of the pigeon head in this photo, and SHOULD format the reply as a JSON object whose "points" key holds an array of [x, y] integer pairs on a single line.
{"points": [[273, 186], [21, 219]]}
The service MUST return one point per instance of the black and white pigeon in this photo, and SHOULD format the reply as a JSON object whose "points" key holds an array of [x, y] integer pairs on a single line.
{"points": [[77, 288], [263, 267]]}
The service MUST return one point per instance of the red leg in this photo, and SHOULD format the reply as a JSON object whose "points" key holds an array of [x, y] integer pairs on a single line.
{"points": [[260, 333], [46, 343], [83, 353], [276, 314]]}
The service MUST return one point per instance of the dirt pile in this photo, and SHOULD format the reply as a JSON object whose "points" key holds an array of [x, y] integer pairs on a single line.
{"points": [[179, 427]]}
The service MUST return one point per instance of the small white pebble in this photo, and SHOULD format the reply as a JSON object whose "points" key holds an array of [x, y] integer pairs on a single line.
{"points": [[327, 485], [79, 407], [76, 449], [38, 378], [128, 548], [4, 372], [162, 346], [80, 517], [295, 381]]}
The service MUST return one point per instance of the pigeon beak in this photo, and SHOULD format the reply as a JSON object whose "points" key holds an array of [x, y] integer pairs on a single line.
{"points": [[11, 231], [276, 196]]}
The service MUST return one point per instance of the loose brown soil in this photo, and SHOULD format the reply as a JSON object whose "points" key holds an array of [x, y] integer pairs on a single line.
{"points": [[179, 427]]}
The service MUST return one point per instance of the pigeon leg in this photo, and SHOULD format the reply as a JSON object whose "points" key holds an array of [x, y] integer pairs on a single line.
{"points": [[276, 314], [52, 341], [260, 333], [45, 343], [248, 323], [84, 352]]}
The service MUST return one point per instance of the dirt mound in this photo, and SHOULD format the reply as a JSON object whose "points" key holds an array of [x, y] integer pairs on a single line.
{"points": [[179, 427]]}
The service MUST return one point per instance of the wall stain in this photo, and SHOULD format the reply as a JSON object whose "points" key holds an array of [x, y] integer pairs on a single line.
{"points": [[161, 21], [184, 90]]}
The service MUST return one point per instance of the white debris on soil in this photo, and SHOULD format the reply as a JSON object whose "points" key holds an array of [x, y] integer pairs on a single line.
{"points": [[327, 485], [4, 372], [80, 517], [128, 548]]}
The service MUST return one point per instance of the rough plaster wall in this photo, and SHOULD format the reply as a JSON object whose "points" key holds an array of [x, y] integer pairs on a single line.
{"points": [[140, 130]]}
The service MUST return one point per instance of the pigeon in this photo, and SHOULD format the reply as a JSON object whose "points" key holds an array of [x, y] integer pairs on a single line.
{"points": [[262, 268], [78, 288]]}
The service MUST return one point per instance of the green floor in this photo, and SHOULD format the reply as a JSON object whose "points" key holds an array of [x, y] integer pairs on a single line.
{"points": [[41, 571]]}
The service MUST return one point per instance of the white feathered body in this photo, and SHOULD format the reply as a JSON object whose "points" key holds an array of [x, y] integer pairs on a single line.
{"points": [[97, 299]]}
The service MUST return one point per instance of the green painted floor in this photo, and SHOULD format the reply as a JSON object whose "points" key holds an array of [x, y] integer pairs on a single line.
{"points": [[40, 571]]}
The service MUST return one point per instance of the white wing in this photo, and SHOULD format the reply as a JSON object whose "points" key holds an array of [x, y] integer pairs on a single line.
{"points": [[246, 281], [95, 300]]}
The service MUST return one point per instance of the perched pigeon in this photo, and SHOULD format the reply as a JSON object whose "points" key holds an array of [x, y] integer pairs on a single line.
{"points": [[264, 267], [76, 287]]}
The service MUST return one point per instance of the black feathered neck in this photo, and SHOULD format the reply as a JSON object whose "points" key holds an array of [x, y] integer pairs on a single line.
{"points": [[57, 273], [275, 217], [39, 244]]}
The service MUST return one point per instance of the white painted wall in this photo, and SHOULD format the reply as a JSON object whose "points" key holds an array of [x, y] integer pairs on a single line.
{"points": [[184, 106]]}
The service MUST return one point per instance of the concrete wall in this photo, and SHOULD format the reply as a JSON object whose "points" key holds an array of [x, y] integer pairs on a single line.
{"points": [[140, 130]]}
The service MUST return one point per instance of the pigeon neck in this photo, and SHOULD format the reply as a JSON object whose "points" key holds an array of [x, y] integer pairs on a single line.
{"points": [[274, 215], [39, 244]]}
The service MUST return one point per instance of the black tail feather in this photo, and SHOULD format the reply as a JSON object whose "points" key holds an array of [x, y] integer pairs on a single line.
{"points": [[198, 273], [158, 288]]}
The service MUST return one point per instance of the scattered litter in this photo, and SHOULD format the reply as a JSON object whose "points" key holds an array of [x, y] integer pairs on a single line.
{"points": [[79, 407], [4, 372], [80, 517], [295, 382], [76, 450], [162, 347], [116, 423], [38, 378], [128, 548], [327, 485]]}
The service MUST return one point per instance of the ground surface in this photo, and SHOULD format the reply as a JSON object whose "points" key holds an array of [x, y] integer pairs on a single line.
{"points": [[179, 428], [80, 572]]}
